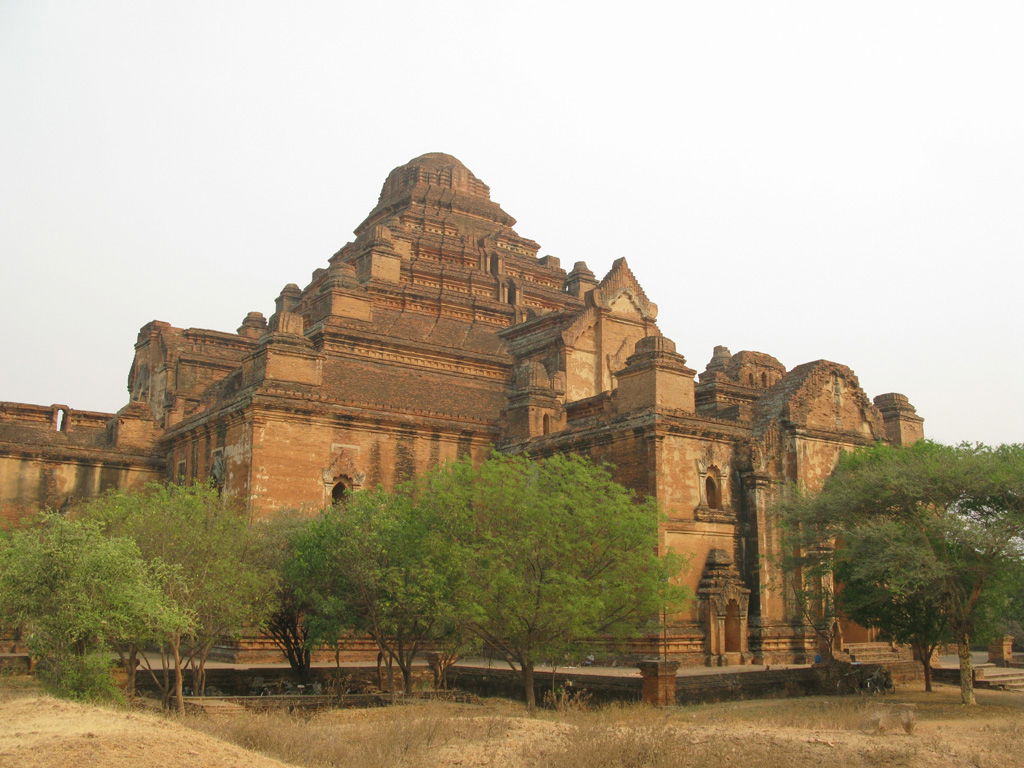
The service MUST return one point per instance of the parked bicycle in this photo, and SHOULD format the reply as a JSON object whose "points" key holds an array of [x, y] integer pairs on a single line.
{"points": [[860, 680], [879, 681]]}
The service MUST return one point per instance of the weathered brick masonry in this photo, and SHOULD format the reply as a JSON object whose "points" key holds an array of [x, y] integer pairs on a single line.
{"points": [[439, 333]]}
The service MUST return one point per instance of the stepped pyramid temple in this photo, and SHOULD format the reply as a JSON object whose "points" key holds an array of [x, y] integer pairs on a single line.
{"points": [[439, 333]]}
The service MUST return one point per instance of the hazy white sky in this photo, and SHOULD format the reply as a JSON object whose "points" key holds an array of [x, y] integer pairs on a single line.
{"points": [[807, 179]]}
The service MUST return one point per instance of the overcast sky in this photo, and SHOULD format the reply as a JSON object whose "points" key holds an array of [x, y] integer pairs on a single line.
{"points": [[807, 179]]}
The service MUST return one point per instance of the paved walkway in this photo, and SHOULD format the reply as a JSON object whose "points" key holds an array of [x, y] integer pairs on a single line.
{"points": [[953, 661], [624, 670], [155, 661], [629, 671]]}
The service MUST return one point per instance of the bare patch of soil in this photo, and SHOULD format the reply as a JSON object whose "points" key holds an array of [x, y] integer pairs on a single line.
{"points": [[43, 732]]}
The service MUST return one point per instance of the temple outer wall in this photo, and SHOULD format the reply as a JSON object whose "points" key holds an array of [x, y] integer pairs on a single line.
{"points": [[28, 484], [53, 456]]}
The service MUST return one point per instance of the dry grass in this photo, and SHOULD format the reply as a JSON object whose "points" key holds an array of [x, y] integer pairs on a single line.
{"points": [[14, 686], [742, 734], [668, 745], [393, 736], [795, 733]]}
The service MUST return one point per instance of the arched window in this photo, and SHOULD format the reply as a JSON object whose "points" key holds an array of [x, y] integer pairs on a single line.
{"points": [[340, 491], [60, 419], [546, 424], [750, 379], [732, 627], [764, 379], [714, 496]]}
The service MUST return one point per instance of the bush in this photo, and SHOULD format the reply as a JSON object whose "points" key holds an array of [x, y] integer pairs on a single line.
{"points": [[85, 678]]}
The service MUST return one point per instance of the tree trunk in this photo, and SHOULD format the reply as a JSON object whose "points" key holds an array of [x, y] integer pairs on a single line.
{"points": [[405, 657], [179, 695], [923, 653], [526, 671], [131, 664], [290, 635], [963, 647], [199, 677], [407, 677], [305, 662], [167, 686], [163, 681], [443, 670], [443, 663]]}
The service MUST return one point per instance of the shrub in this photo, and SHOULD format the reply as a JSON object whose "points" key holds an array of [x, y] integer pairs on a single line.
{"points": [[82, 677]]}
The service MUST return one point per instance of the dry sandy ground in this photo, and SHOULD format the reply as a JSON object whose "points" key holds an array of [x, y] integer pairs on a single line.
{"points": [[41, 732]]}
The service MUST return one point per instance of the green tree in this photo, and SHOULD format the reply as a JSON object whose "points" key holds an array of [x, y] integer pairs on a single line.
{"points": [[382, 565], [286, 622], [77, 593], [873, 565], [925, 525], [810, 586], [555, 554], [1013, 618], [204, 545]]}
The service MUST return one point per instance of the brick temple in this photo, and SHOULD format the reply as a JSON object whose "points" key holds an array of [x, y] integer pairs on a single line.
{"points": [[439, 333]]}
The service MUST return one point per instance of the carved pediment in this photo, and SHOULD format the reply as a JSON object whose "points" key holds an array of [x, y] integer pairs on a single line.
{"points": [[618, 294], [714, 455], [530, 374], [721, 582], [344, 463], [626, 305], [583, 322]]}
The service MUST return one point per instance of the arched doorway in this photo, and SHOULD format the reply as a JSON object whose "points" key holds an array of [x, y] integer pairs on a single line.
{"points": [[852, 632], [724, 602]]}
